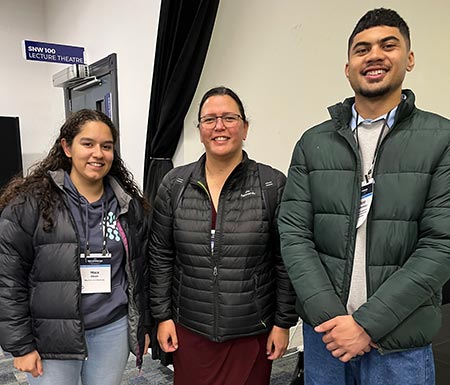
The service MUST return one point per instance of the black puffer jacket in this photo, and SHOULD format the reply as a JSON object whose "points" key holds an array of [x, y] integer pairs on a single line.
{"points": [[40, 284], [241, 288]]}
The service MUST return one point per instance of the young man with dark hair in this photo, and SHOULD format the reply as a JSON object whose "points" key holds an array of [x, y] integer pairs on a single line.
{"points": [[364, 221]]}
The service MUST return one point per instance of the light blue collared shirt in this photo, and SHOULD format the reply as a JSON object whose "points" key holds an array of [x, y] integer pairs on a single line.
{"points": [[356, 116]]}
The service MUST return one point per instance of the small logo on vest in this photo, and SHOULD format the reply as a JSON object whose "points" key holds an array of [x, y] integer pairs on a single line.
{"points": [[247, 193]]}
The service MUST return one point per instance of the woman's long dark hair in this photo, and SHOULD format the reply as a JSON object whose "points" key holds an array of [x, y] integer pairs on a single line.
{"points": [[38, 183]]}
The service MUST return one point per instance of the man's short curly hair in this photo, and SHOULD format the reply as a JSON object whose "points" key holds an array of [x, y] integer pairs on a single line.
{"points": [[381, 17]]}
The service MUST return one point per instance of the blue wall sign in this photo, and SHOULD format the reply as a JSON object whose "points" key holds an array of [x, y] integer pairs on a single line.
{"points": [[55, 53]]}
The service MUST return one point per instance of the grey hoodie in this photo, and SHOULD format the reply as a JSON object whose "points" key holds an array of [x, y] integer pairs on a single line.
{"points": [[103, 308]]}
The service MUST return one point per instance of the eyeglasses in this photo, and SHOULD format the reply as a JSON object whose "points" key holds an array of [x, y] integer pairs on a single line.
{"points": [[228, 120]]}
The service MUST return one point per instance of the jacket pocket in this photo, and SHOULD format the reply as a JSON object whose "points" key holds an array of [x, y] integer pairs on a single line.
{"points": [[258, 301], [178, 299]]}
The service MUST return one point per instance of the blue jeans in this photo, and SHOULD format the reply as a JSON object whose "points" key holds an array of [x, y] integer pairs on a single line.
{"points": [[411, 367], [108, 353]]}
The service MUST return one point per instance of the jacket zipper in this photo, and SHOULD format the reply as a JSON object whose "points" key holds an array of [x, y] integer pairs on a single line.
{"points": [[258, 309], [354, 210], [213, 253], [355, 216], [74, 226], [375, 169], [180, 287]]}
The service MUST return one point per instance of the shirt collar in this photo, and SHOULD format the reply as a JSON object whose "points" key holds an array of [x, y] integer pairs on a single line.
{"points": [[355, 115]]}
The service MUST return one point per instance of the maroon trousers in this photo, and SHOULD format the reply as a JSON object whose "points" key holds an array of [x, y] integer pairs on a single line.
{"points": [[241, 361]]}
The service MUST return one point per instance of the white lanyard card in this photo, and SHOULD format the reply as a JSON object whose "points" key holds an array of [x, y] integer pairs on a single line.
{"points": [[95, 273], [366, 201]]}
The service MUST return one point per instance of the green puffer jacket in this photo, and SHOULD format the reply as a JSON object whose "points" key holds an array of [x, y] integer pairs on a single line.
{"points": [[408, 228]]}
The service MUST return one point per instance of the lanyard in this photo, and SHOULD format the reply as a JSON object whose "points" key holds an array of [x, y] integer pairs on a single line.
{"points": [[85, 225], [368, 176]]}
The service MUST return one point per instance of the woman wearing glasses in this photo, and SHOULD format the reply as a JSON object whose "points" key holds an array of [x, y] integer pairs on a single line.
{"points": [[218, 287]]}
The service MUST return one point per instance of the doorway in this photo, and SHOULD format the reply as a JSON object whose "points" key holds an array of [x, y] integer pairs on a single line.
{"points": [[98, 91]]}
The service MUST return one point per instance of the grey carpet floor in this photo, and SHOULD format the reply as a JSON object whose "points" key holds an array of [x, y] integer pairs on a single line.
{"points": [[153, 373]]}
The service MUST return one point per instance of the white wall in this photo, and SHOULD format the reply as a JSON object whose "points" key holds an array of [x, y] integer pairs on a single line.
{"points": [[127, 28], [25, 86], [286, 59]]}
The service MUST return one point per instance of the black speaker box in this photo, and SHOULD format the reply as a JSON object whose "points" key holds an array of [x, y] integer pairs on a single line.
{"points": [[10, 149]]}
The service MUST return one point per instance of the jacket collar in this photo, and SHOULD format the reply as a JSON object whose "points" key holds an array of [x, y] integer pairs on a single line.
{"points": [[342, 112], [198, 172]]}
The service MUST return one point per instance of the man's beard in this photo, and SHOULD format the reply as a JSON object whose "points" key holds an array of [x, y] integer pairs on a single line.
{"points": [[375, 93]]}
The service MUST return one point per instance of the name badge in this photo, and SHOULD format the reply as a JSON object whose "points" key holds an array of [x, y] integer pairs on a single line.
{"points": [[366, 201], [95, 273]]}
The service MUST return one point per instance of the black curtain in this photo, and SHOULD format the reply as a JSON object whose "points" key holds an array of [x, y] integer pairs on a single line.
{"points": [[184, 32], [10, 149]]}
